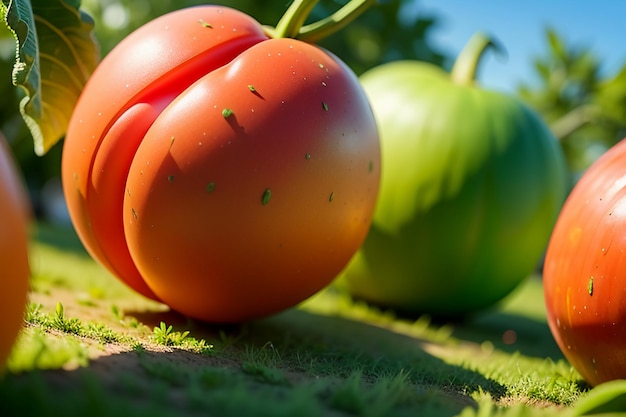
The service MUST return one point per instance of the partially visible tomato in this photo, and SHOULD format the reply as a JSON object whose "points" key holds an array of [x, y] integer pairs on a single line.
{"points": [[222, 172], [14, 265], [585, 271]]}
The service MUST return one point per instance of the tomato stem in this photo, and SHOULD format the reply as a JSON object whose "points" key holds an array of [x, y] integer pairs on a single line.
{"points": [[289, 25], [338, 20], [466, 65]]}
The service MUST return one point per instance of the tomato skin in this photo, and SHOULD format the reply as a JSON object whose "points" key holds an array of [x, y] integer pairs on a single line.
{"points": [[585, 272], [472, 182], [15, 215], [174, 197], [98, 145]]}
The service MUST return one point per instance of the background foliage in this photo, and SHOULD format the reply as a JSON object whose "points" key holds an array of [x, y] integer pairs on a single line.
{"points": [[378, 36], [585, 107]]}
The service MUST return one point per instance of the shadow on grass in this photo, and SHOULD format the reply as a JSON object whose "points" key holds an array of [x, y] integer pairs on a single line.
{"points": [[294, 363], [307, 348], [506, 329], [510, 333]]}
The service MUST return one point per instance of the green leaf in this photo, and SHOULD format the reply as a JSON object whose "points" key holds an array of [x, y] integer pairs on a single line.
{"points": [[55, 55], [557, 45], [605, 399]]}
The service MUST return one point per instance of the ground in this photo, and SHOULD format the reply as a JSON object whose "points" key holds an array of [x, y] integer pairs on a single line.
{"points": [[90, 346]]}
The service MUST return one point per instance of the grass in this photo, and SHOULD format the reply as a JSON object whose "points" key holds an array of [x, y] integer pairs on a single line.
{"points": [[90, 346]]}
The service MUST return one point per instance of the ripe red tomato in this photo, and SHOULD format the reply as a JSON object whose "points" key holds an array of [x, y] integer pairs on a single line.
{"points": [[222, 172], [585, 271], [14, 264]]}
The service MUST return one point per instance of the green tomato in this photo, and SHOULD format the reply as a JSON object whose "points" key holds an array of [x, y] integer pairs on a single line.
{"points": [[471, 184]]}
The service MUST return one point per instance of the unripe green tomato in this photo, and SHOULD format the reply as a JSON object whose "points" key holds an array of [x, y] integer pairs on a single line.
{"points": [[471, 185]]}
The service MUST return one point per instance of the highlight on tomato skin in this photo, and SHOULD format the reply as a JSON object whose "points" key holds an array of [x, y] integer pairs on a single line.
{"points": [[202, 182], [14, 261], [585, 272]]}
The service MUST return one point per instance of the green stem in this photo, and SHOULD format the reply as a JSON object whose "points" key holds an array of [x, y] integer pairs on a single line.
{"points": [[290, 24], [466, 65], [338, 20]]}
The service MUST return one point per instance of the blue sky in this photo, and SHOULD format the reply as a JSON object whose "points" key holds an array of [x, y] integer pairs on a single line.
{"points": [[520, 26]]}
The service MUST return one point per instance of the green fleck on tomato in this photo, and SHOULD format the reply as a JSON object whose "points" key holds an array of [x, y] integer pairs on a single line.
{"points": [[267, 195], [210, 187], [331, 197], [205, 24], [227, 113], [251, 88], [471, 183], [590, 286], [324, 106], [170, 178]]}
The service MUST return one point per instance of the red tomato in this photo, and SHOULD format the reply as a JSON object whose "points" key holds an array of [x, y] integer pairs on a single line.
{"points": [[222, 172], [585, 271], [14, 265]]}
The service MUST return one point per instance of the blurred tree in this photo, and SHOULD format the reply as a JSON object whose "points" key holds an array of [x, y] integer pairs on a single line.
{"points": [[585, 108], [390, 31], [393, 29]]}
